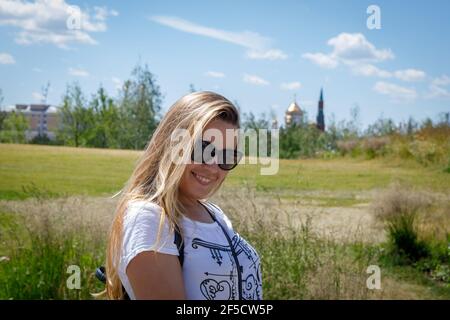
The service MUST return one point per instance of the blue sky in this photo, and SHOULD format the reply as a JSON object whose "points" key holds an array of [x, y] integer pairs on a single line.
{"points": [[259, 53]]}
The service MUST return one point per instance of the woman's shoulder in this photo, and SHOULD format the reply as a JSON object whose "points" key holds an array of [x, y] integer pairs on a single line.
{"points": [[219, 213], [142, 211]]}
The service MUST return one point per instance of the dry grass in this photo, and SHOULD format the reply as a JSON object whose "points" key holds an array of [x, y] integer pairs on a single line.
{"points": [[297, 263], [430, 211], [343, 224], [302, 257]]}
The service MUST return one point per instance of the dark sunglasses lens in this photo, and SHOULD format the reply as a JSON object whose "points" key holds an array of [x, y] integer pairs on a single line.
{"points": [[197, 153], [203, 152], [231, 159]]}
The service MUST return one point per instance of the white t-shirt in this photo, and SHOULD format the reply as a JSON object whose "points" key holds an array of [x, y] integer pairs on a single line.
{"points": [[209, 268]]}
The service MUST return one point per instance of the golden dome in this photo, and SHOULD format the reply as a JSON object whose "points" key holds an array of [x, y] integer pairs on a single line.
{"points": [[294, 108]]}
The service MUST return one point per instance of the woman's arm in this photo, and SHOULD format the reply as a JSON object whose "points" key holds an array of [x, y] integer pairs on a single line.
{"points": [[155, 275]]}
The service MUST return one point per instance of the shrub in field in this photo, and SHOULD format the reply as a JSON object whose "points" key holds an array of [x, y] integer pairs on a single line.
{"points": [[425, 152], [348, 147], [375, 146], [398, 208], [428, 146]]}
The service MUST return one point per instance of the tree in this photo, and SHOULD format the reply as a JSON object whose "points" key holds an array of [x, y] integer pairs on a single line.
{"points": [[192, 88], [350, 129], [140, 105], [3, 114], [381, 127], [76, 120], [250, 121], [105, 131], [411, 126], [14, 128], [45, 89]]}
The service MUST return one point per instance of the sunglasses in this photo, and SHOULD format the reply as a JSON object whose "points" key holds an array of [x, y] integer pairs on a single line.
{"points": [[204, 152]]}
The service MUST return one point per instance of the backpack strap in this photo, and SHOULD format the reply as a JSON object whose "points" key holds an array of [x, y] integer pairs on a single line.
{"points": [[180, 245]]}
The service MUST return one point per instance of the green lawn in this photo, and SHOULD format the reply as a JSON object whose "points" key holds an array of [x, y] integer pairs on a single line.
{"points": [[65, 170]]}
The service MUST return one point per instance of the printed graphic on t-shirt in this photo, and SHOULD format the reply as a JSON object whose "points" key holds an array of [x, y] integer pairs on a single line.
{"points": [[225, 285]]}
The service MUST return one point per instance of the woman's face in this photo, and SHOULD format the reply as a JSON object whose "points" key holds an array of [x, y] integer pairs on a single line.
{"points": [[199, 179]]}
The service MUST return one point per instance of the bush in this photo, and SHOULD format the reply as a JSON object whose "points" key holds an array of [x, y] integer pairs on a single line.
{"points": [[398, 208], [43, 139], [404, 238], [375, 146], [347, 147]]}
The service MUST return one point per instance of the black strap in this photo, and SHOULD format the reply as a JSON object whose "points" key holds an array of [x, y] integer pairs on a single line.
{"points": [[180, 245]]}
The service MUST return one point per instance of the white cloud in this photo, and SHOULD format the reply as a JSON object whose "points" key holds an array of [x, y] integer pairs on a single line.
{"points": [[272, 54], [252, 79], [350, 49], [356, 52], [78, 72], [291, 85], [46, 21], [37, 97], [355, 47], [38, 70], [246, 39], [436, 89], [442, 80], [370, 70], [6, 58], [395, 92], [437, 92], [259, 46], [410, 75], [102, 13], [215, 74], [321, 59]]}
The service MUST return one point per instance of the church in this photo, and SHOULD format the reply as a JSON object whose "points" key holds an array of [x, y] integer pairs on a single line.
{"points": [[295, 116]]}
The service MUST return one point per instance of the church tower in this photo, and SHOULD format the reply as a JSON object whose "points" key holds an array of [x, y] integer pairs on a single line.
{"points": [[294, 115], [320, 121]]}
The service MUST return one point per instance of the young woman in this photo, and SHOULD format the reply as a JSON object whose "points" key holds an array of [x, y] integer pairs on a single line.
{"points": [[165, 199]]}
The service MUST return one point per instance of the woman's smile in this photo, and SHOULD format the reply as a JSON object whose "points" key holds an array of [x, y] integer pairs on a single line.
{"points": [[202, 179]]}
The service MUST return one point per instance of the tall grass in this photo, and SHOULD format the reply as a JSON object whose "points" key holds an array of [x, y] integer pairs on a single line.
{"points": [[399, 208], [43, 237], [297, 263], [418, 226]]}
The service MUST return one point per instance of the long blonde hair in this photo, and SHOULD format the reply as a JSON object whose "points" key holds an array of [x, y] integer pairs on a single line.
{"points": [[156, 178]]}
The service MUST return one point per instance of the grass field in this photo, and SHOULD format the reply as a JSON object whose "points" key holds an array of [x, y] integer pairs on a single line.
{"points": [[100, 172], [311, 223]]}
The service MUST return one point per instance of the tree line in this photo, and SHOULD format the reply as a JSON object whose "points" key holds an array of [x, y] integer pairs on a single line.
{"points": [[128, 121], [125, 122]]}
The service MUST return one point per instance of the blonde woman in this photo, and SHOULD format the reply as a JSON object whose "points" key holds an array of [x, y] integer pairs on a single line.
{"points": [[167, 240]]}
